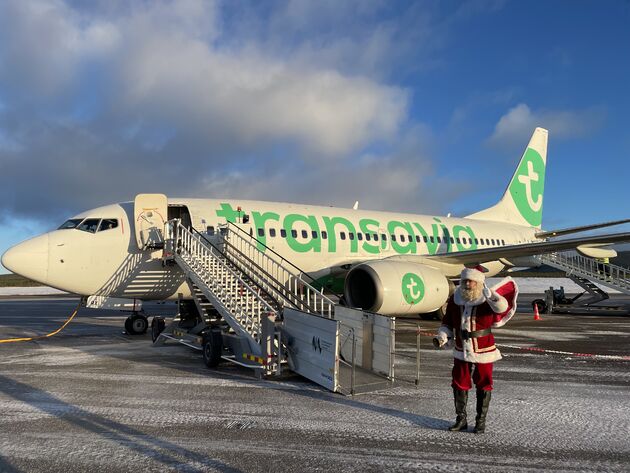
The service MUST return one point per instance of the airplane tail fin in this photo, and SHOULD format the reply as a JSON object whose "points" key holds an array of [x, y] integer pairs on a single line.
{"points": [[522, 201]]}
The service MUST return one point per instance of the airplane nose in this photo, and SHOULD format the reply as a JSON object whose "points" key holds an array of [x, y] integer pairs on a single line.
{"points": [[29, 259]]}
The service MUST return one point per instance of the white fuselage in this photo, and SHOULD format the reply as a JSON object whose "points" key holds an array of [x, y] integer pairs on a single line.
{"points": [[319, 240]]}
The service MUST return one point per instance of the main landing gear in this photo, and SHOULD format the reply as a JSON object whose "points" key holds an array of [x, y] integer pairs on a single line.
{"points": [[136, 324]]}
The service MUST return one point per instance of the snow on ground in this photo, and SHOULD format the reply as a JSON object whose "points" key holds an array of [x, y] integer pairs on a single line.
{"points": [[539, 285], [30, 291]]}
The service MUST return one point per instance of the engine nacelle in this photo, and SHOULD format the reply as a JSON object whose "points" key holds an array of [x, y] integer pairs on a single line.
{"points": [[396, 287]]}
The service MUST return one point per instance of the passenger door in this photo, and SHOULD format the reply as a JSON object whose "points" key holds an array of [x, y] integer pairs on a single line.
{"points": [[150, 212]]}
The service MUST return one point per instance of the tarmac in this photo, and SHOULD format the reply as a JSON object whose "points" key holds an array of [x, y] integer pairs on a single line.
{"points": [[95, 399]]}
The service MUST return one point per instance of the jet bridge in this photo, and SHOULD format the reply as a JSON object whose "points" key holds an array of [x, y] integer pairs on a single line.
{"points": [[256, 309]]}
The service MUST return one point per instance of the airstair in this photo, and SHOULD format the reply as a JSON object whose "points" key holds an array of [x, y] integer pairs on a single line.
{"points": [[256, 309], [588, 273]]}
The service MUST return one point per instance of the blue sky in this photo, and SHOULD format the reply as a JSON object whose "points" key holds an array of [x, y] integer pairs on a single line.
{"points": [[414, 106]]}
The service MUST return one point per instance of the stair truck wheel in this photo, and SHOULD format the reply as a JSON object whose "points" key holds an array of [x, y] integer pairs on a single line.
{"points": [[136, 324], [212, 348], [542, 305], [157, 326]]}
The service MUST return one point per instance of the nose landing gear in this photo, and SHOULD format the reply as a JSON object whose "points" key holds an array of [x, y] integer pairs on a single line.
{"points": [[136, 324]]}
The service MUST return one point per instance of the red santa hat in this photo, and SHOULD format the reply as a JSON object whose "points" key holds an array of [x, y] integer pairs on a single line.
{"points": [[474, 274]]}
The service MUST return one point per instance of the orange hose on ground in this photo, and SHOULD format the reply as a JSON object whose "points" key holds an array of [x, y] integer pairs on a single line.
{"points": [[38, 337]]}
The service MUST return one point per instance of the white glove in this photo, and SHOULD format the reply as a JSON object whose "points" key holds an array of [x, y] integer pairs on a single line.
{"points": [[487, 293], [440, 340]]}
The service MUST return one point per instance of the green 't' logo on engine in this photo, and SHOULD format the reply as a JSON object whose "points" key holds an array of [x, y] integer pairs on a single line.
{"points": [[412, 288], [527, 187]]}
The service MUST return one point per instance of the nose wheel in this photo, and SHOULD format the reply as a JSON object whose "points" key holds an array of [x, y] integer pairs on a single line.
{"points": [[136, 324]]}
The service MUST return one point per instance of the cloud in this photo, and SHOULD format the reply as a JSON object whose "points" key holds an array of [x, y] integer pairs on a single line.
{"points": [[200, 98], [519, 122]]}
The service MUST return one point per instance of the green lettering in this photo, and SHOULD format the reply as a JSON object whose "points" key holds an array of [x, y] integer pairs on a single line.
{"points": [[364, 223], [446, 236], [259, 222], [431, 245], [331, 223], [227, 212], [459, 229], [404, 246], [313, 244]]}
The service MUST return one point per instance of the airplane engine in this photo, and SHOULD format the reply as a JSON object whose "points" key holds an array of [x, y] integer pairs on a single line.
{"points": [[396, 287]]}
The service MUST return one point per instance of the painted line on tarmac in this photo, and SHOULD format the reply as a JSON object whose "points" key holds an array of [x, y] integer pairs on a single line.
{"points": [[554, 352]]}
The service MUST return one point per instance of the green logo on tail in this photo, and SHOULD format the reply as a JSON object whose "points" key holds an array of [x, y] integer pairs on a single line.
{"points": [[412, 288], [527, 187]]}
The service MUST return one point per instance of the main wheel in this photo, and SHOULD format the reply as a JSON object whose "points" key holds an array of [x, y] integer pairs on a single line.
{"points": [[157, 327], [136, 324], [212, 348]]}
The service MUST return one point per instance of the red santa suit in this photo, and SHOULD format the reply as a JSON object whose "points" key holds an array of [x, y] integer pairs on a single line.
{"points": [[470, 324]]}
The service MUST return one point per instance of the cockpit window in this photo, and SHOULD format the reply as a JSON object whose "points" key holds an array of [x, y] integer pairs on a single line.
{"points": [[89, 225], [108, 224], [72, 223]]}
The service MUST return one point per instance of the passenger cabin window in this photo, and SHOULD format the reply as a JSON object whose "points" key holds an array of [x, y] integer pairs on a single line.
{"points": [[351, 235], [314, 233], [360, 236], [294, 233], [107, 224], [283, 233], [261, 232], [72, 223], [272, 232], [324, 235], [89, 225], [304, 234], [343, 235]]}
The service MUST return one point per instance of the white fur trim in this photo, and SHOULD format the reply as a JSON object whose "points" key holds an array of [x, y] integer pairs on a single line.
{"points": [[473, 275], [506, 318], [469, 355]]}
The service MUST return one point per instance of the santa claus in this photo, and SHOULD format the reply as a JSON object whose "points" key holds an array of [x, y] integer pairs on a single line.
{"points": [[471, 314]]}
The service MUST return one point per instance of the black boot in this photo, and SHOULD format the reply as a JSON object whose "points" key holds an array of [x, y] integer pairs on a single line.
{"points": [[461, 398], [483, 402]]}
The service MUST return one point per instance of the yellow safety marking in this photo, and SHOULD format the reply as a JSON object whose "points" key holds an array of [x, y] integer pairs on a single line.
{"points": [[28, 339], [255, 358]]}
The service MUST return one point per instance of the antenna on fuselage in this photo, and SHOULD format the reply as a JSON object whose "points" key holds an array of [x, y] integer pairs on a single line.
{"points": [[356, 205]]}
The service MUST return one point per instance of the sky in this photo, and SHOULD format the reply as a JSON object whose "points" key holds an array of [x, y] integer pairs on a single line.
{"points": [[422, 107]]}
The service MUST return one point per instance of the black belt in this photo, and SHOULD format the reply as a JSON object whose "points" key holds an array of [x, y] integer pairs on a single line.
{"points": [[475, 333]]}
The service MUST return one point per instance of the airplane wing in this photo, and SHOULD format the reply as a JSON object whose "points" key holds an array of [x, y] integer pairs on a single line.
{"points": [[481, 256], [566, 231]]}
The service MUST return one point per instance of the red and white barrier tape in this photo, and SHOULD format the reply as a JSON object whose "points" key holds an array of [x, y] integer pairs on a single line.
{"points": [[555, 352]]}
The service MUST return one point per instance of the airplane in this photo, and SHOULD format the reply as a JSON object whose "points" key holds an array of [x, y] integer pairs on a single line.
{"points": [[385, 262]]}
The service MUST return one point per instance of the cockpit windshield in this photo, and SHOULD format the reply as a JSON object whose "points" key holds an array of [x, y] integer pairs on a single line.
{"points": [[72, 223], [90, 225]]}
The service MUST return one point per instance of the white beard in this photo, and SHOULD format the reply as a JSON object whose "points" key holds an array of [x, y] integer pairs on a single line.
{"points": [[469, 295]]}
